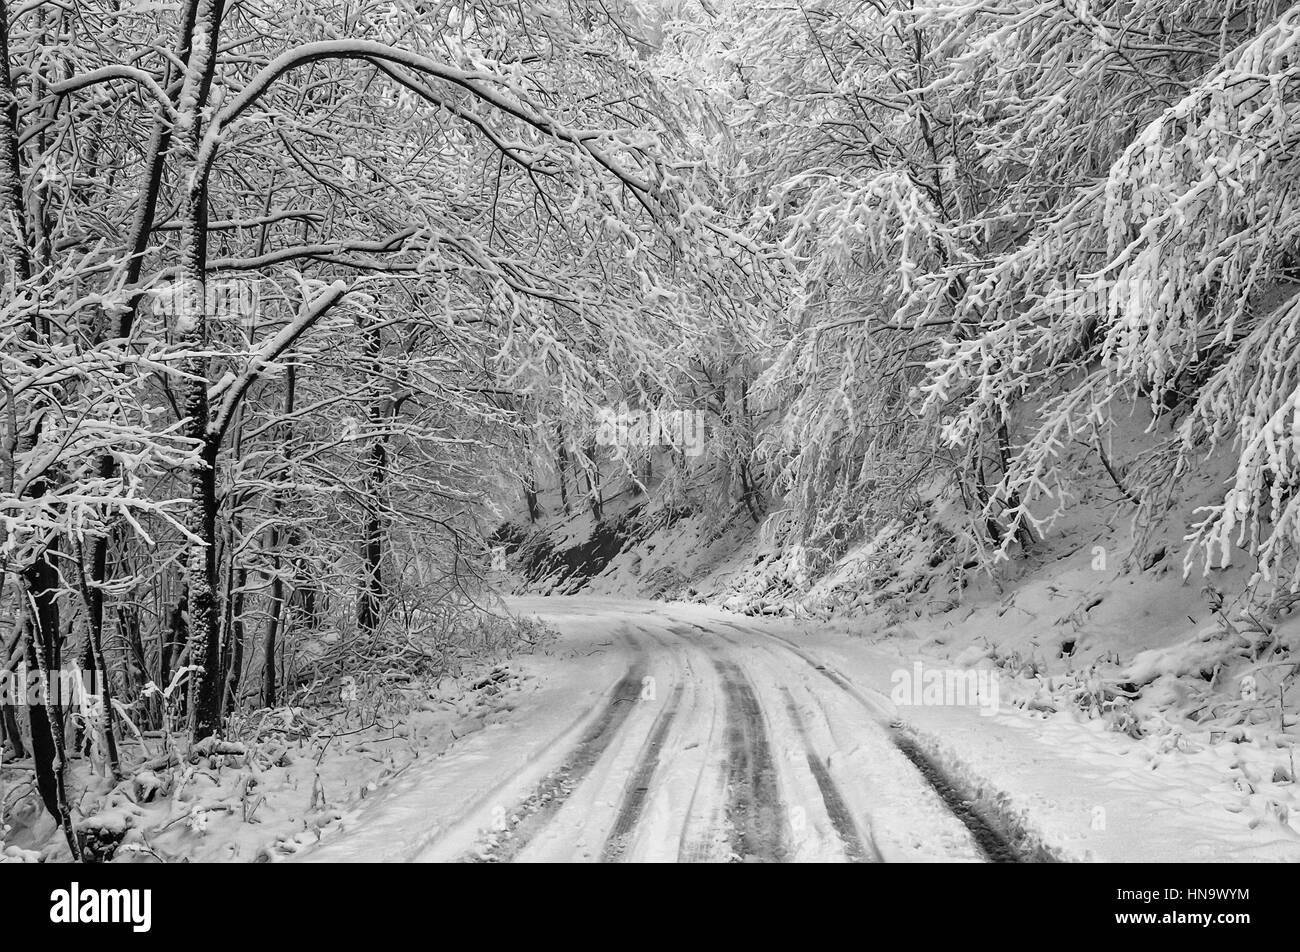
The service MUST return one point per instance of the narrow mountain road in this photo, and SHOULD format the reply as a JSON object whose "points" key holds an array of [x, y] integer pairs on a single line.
{"points": [[709, 741]]}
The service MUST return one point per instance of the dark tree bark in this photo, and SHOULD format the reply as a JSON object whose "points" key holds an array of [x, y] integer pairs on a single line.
{"points": [[380, 413], [205, 631], [9, 730], [237, 634], [530, 497], [370, 604], [1024, 532], [592, 469], [173, 638], [44, 654], [274, 621], [14, 235], [98, 665], [562, 466]]}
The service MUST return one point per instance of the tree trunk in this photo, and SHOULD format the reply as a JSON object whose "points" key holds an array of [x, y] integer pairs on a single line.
{"points": [[276, 614], [592, 468], [173, 638], [530, 497], [14, 235], [41, 582], [98, 663], [370, 605], [204, 630], [562, 465], [9, 722], [237, 634], [192, 332], [1024, 532]]}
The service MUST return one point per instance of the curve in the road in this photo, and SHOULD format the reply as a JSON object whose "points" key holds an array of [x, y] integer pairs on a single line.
{"points": [[736, 811], [984, 829]]}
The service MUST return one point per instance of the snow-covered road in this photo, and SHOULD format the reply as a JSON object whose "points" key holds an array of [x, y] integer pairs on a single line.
{"points": [[665, 733]]}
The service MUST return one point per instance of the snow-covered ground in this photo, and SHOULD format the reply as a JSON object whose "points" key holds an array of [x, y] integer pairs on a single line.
{"points": [[287, 778], [1084, 790], [670, 731]]}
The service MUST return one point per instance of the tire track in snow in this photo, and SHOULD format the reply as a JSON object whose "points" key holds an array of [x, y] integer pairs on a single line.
{"points": [[981, 821], [549, 795], [825, 670], [836, 809], [702, 839], [634, 796], [996, 847], [753, 812], [703, 836]]}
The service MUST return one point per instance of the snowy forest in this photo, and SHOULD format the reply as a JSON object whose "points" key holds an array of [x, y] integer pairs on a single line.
{"points": [[633, 430]]}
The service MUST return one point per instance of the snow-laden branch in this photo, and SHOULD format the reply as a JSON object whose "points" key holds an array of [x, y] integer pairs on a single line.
{"points": [[393, 242], [271, 218], [311, 312], [485, 86], [107, 74]]}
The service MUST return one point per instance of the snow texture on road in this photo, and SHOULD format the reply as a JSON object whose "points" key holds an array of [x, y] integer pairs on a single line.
{"points": [[669, 734], [682, 733]]}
